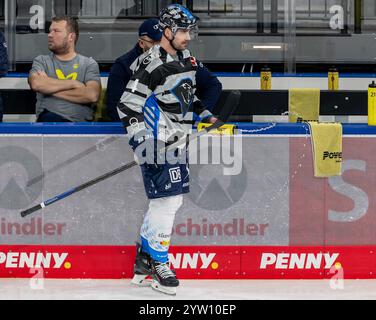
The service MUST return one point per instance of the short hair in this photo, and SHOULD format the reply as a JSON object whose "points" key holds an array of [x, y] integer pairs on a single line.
{"points": [[72, 24]]}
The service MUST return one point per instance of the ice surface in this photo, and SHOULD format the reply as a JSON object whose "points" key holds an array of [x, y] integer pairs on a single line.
{"points": [[22, 289]]}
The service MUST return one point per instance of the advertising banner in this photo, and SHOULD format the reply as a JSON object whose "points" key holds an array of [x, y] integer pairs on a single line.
{"points": [[255, 210]]}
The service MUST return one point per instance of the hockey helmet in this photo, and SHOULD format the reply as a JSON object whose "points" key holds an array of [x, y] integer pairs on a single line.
{"points": [[176, 17]]}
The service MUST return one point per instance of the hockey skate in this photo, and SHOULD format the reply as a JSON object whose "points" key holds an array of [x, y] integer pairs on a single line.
{"points": [[142, 269], [164, 279]]}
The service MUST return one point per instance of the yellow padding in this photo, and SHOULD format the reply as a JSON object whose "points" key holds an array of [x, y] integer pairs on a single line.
{"points": [[226, 129], [372, 106], [101, 107], [326, 149], [304, 104]]}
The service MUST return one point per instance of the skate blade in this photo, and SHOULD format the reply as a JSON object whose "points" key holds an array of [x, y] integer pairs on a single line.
{"points": [[141, 280], [166, 290]]}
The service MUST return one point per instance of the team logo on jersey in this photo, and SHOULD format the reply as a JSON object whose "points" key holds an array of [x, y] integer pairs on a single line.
{"points": [[147, 60], [187, 94], [175, 175], [184, 93]]}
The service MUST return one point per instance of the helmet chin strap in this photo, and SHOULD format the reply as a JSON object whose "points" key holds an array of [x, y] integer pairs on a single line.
{"points": [[171, 40]]}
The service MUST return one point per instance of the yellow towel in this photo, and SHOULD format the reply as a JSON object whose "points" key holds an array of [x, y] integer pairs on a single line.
{"points": [[326, 148], [226, 129], [304, 104]]}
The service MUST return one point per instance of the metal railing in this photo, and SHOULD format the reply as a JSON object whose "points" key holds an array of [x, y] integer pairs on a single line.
{"points": [[121, 8], [310, 14]]}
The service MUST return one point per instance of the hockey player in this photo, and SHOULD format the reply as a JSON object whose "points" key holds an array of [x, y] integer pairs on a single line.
{"points": [[157, 108]]}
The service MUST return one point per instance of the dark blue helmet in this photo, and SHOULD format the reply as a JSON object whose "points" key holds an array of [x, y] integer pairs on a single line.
{"points": [[176, 17]]}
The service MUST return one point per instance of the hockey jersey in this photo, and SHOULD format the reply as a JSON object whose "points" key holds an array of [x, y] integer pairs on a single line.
{"points": [[160, 97]]}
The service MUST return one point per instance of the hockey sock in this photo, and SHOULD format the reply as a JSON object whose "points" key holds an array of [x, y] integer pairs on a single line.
{"points": [[157, 227]]}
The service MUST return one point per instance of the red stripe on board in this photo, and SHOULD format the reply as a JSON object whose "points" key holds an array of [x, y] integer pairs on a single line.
{"points": [[218, 262]]}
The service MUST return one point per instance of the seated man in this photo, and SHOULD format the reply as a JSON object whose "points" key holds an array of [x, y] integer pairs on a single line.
{"points": [[67, 84], [209, 88]]}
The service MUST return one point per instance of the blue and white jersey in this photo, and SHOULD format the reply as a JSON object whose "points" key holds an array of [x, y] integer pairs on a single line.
{"points": [[161, 96]]}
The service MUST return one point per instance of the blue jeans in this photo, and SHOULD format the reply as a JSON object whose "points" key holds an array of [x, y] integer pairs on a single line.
{"points": [[48, 116]]}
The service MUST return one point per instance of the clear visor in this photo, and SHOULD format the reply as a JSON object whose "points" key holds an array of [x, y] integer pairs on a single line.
{"points": [[193, 32]]}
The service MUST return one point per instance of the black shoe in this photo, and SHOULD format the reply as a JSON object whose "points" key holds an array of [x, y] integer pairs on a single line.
{"points": [[164, 278]]}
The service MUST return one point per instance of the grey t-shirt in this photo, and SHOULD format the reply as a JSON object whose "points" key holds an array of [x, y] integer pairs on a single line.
{"points": [[82, 69]]}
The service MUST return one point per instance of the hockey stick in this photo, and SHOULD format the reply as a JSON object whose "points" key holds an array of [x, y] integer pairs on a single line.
{"points": [[228, 108]]}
